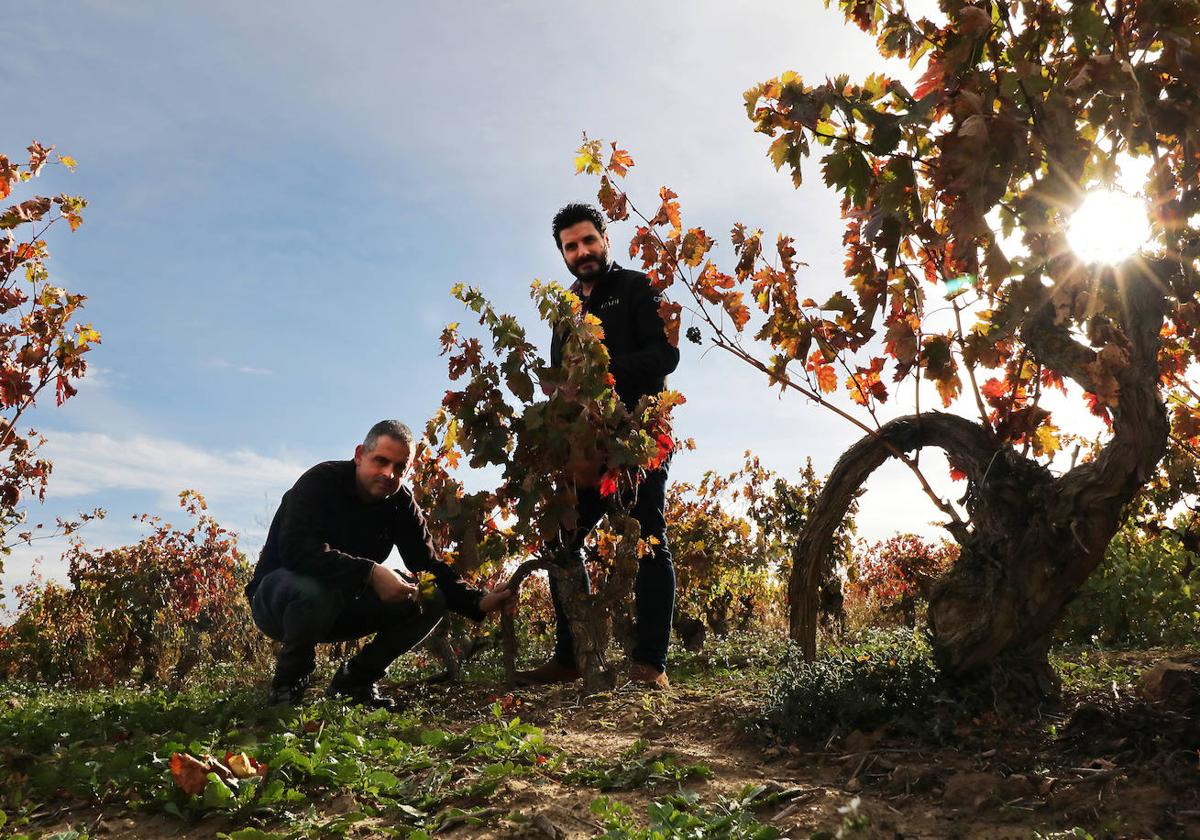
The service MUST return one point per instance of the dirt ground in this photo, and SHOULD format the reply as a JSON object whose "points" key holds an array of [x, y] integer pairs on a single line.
{"points": [[1108, 771], [1114, 767]]}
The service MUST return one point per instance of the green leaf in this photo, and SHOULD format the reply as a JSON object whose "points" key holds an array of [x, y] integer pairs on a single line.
{"points": [[1088, 28], [216, 793], [251, 834], [383, 780], [885, 136], [434, 737], [838, 302], [846, 169]]}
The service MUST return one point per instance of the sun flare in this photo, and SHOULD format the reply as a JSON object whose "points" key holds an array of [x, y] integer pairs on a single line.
{"points": [[1109, 227]]}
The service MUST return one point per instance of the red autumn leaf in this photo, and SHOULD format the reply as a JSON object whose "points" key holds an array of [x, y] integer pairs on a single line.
{"points": [[608, 484], [712, 283], [994, 389], [931, 81], [644, 244], [191, 774], [665, 445], [1097, 407], [866, 383]]}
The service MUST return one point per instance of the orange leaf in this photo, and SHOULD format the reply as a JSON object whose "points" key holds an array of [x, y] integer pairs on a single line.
{"points": [[669, 210], [669, 312], [827, 378], [614, 203], [695, 245], [191, 774], [737, 310], [620, 162], [948, 387]]}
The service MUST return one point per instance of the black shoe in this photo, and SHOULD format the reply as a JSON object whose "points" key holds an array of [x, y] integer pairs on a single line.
{"points": [[344, 687], [287, 694]]}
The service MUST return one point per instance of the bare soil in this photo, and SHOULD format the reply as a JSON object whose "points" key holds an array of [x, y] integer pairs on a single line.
{"points": [[1114, 766]]}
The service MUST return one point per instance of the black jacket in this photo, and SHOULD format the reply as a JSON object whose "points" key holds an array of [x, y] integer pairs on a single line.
{"points": [[640, 357], [324, 529]]}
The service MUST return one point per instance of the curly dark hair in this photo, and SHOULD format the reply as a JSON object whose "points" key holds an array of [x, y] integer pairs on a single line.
{"points": [[573, 214]]}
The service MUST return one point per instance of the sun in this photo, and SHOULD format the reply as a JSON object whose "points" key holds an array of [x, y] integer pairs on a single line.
{"points": [[1109, 227]]}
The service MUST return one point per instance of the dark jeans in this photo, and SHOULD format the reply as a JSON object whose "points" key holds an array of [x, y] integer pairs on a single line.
{"points": [[301, 612], [654, 587]]}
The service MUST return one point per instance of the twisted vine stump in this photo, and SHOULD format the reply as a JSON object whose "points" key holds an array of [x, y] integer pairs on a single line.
{"points": [[1032, 538], [588, 613]]}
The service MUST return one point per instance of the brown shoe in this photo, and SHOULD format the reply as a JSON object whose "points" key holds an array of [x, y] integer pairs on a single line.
{"points": [[552, 672], [648, 676]]}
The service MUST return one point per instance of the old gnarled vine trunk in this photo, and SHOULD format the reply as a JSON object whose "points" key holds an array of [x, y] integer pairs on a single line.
{"points": [[1032, 537], [589, 613]]}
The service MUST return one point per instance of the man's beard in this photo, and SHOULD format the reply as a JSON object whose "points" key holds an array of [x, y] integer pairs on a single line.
{"points": [[592, 269]]}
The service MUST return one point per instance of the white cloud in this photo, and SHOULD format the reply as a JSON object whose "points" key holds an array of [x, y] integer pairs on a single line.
{"points": [[92, 469], [92, 463], [228, 365]]}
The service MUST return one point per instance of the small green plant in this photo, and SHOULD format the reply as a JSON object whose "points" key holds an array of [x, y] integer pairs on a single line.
{"points": [[1146, 592], [683, 817], [110, 747], [890, 679], [1089, 673], [637, 768]]}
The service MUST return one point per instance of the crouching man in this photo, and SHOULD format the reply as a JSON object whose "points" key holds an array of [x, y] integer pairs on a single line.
{"points": [[320, 576]]}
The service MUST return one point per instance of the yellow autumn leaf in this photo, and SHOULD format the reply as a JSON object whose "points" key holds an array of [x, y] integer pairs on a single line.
{"points": [[86, 335], [426, 585], [588, 158], [1046, 439], [68, 161]]}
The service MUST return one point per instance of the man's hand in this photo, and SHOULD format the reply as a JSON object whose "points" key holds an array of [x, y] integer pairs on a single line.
{"points": [[390, 587], [499, 597]]}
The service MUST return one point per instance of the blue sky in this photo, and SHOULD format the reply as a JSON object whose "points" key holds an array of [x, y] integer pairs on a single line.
{"points": [[280, 197]]}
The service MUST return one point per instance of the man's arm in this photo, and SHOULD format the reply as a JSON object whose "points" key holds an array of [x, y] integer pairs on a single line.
{"points": [[416, 548], [655, 357], [303, 543]]}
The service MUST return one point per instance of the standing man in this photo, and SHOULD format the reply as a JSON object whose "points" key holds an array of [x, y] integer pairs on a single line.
{"points": [[640, 357], [321, 578]]}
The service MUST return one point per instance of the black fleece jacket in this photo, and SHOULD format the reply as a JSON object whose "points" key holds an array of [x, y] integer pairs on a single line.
{"points": [[323, 528], [640, 357]]}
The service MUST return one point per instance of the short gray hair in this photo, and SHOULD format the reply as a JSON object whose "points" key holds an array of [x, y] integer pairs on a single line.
{"points": [[388, 428]]}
